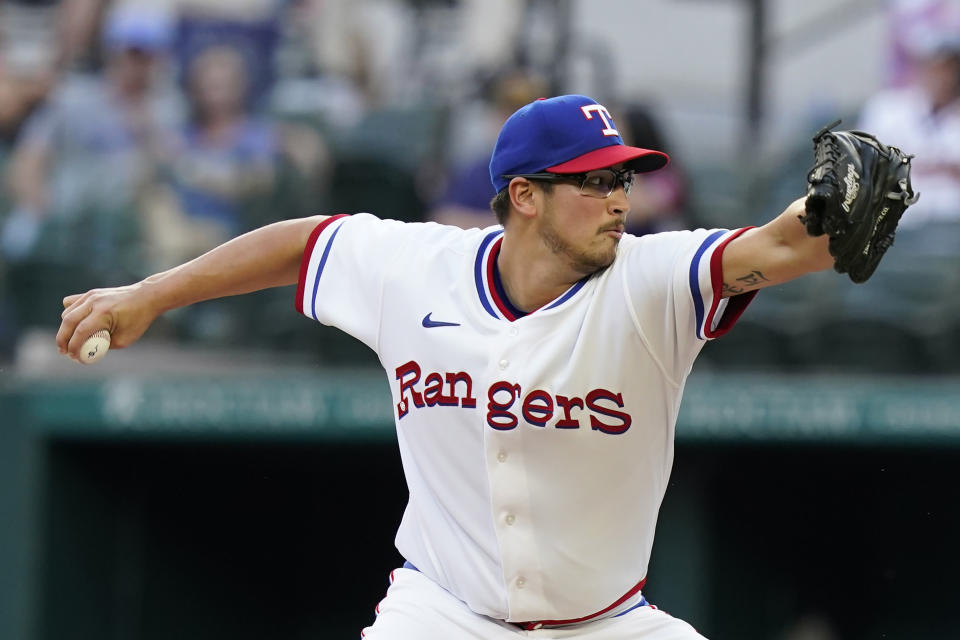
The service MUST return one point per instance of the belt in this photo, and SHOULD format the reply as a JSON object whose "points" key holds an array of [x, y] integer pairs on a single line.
{"points": [[538, 624], [599, 615]]}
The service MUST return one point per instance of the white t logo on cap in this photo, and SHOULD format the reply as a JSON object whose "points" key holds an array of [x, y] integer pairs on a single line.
{"points": [[604, 115]]}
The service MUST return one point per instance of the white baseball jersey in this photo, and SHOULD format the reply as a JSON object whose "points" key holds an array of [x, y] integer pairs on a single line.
{"points": [[536, 449]]}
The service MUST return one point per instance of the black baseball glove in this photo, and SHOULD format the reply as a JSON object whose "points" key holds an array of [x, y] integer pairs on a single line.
{"points": [[857, 190]]}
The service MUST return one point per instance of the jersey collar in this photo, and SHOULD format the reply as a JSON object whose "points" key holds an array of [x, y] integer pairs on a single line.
{"points": [[489, 288]]}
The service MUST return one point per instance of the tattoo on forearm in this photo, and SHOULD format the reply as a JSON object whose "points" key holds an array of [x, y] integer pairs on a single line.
{"points": [[732, 290], [741, 284]]}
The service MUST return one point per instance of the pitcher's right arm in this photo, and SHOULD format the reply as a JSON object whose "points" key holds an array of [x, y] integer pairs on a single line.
{"points": [[261, 259]]}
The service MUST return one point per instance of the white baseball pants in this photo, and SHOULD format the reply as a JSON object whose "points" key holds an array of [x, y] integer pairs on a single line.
{"points": [[416, 608]]}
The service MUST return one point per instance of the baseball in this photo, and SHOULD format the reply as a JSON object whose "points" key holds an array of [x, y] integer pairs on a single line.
{"points": [[95, 347]]}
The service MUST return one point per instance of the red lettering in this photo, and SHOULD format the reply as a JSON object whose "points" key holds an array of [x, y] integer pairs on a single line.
{"points": [[538, 407], [467, 401], [565, 403], [433, 389], [616, 398], [498, 415], [408, 374]]}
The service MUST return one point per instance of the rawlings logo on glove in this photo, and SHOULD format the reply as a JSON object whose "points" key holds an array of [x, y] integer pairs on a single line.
{"points": [[860, 210], [852, 181]]}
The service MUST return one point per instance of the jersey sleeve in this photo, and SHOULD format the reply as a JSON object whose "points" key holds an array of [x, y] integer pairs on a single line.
{"points": [[675, 284], [343, 270]]}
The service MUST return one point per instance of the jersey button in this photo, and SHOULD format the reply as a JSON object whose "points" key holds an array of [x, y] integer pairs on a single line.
{"points": [[504, 364], [502, 456], [521, 582], [514, 332], [510, 519]]}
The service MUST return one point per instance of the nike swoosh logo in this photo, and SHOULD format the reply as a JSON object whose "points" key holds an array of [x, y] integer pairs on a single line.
{"points": [[428, 323]]}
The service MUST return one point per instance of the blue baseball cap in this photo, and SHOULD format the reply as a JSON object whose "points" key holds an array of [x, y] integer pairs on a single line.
{"points": [[142, 27], [565, 134]]}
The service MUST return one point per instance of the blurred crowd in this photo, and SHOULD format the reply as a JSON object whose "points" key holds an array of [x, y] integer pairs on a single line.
{"points": [[136, 134]]}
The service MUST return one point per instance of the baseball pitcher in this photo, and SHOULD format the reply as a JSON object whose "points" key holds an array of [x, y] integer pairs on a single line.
{"points": [[536, 366]]}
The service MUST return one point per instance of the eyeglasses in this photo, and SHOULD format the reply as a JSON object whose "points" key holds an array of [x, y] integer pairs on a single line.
{"points": [[596, 184]]}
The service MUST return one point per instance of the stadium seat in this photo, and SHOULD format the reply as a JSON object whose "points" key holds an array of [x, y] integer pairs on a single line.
{"points": [[900, 321]]}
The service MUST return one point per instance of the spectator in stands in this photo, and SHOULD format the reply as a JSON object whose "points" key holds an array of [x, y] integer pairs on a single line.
{"points": [[223, 165], [910, 24], [923, 118], [658, 200], [29, 56], [465, 202], [83, 159]]}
